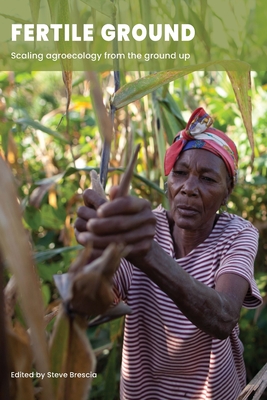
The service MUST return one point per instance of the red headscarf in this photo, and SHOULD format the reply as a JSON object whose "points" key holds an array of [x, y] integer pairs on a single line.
{"points": [[199, 135]]}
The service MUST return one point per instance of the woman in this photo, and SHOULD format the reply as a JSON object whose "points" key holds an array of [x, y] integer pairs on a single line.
{"points": [[187, 275]]}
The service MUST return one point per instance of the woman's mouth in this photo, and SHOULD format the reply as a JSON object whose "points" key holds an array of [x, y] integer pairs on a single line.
{"points": [[187, 211]]}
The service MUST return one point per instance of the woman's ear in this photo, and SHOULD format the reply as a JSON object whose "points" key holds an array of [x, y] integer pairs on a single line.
{"points": [[230, 186]]}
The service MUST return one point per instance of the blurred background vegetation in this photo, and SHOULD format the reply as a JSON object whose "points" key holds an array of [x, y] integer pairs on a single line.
{"points": [[51, 165]]}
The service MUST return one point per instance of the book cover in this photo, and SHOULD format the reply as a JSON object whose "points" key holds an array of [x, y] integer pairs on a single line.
{"points": [[82, 83]]}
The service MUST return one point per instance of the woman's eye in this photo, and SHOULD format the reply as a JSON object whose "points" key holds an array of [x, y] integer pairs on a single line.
{"points": [[208, 179], [179, 172]]}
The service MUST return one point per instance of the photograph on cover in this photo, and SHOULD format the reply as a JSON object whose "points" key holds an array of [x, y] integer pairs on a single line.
{"points": [[133, 204]]}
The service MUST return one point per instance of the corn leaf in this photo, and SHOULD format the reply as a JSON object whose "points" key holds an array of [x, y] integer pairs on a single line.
{"points": [[158, 127], [104, 122], [81, 359], [15, 19], [72, 170], [67, 79], [70, 351], [133, 91], [172, 106], [141, 87], [59, 344], [42, 256], [36, 125], [105, 7], [172, 118], [35, 8], [20, 359], [15, 249], [60, 14], [110, 376], [197, 22], [170, 123], [241, 84], [238, 71]]}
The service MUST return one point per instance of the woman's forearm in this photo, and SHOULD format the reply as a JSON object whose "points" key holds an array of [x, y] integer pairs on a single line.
{"points": [[216, 313]]}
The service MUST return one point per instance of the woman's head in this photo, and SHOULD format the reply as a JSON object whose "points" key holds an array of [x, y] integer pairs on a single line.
{"points": [[197, 187], [201, 166], [199, 134]]}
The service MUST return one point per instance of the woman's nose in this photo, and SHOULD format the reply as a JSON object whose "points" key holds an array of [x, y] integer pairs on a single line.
{"points": [[190, 186]]}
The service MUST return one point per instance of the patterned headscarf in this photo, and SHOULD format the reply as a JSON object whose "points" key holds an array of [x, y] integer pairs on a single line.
{"points": [[199, 134]]}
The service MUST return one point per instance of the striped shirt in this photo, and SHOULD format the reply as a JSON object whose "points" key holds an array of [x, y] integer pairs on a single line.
{"points": [[165, 356]]}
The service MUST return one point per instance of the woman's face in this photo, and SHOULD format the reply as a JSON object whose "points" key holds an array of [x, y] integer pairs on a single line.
{"points": [[197, 187]]}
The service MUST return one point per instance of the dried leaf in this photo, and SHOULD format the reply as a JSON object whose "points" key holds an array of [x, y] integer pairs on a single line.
{"points": [[113, 312], [20, 359], [104, 122], [10, 294], [96, 184], [81, 360], [128, 174], [70, 351], [89, 291], [257, 385], [48, 317], [67, 79], [92, 291], [59, 343], [38, 194], [16, 251]]}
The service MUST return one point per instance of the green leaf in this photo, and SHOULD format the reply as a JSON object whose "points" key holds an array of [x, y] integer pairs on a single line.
{"points": [[52, 218], [15, 19], [46, 294], [149, 183], [199, 27], [35, 8], [171, 115], [37, 125], [110, 376], [5, 128], [59, 346], [103, 6], [32, 218], [141, 87], [238, 72], [42, 256], [158, 127], [241, 84], [15, 250], [47, 181], [174, 109], [170, 123]]}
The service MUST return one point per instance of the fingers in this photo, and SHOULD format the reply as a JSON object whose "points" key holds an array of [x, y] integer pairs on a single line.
{"points": [[113, 192], [92, 199], [120, 224], [86, 213], [123, 205], [82, 237], [130, 238], [128, 220]]}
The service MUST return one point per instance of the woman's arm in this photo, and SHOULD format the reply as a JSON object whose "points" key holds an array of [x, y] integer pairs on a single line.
{"points": [[216, 312], [130, 220]]}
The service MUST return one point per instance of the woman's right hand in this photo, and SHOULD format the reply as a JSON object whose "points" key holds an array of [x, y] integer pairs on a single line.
{"points": [[92, 201]]}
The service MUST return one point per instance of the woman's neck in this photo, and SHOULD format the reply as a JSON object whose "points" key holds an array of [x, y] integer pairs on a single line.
{"points": [[186, 240]]}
